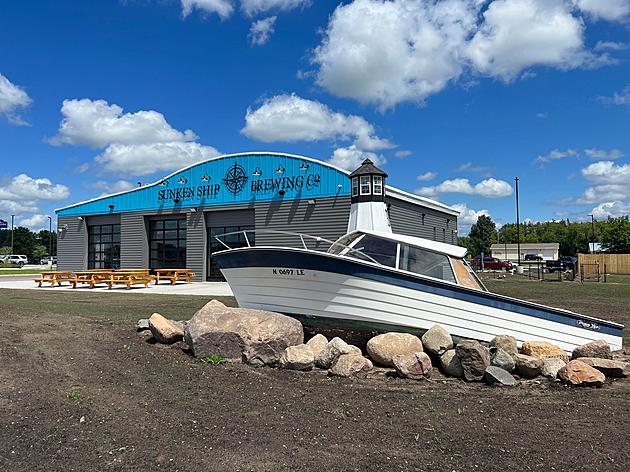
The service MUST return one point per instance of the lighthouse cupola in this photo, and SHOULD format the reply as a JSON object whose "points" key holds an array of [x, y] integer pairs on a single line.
{"points": [[368, 210]]}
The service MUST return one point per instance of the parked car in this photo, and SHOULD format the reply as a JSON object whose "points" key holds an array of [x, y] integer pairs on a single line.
{"points": [[46, 259], [16, 259], [533, 257], [562, 264], [492, 263]]}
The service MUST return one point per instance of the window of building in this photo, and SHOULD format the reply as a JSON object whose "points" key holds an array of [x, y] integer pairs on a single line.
{"points": [[213, 273], [355, 186], [443, 235], [378, 185], [167, 244], [423, 262], [434, 234], [423, 215], [381, 250], [104, 247], [365, 185]]}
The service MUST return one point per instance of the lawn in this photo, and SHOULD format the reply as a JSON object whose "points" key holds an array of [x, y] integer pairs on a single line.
{"points": [[21, 271]]}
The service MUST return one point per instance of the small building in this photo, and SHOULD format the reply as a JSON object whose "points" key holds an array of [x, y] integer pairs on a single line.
{"points": [[172, 223], [509, 252]]}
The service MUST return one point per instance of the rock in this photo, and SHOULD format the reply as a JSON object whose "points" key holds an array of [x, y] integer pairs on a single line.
{"points": [[181, 324], [608, 367], [298, 357], [451, 365], [350, 364], [497, 376], [317, 343], [437, 340], [500, 358], [215, 303], [415, 365], [331, 352], [505, 342], [577, 372], [384, 347], [253, 336], [474, 358], [142, 324], [528, 366], [551, 366], [543, 350], [164, 330], [599, 348]]}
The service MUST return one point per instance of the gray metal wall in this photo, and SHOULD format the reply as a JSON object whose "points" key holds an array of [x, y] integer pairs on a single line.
{"points": [[134, 241], [196, 244], [407, 218], [71, 244]]}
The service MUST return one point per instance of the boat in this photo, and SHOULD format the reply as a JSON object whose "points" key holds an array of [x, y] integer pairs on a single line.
{"points": [[372, 279]]}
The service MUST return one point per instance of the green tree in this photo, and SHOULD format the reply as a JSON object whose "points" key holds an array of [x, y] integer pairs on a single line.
{"points": [[25, 242], [482, 234], [44, 238], [615, 235]]}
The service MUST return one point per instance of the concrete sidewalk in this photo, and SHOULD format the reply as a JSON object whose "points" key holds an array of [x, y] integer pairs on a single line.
{"points": [[208, 289]]}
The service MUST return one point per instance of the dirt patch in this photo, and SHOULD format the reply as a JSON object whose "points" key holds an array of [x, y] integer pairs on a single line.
{"points": [[146, 406]]}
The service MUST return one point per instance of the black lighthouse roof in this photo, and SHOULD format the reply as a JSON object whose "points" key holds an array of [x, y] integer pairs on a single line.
{"points": [[368, 168]]}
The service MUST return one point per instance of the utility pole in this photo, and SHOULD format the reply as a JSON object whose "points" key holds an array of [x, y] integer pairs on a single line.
{"points": [[50, 236], [518, 226], [592, 245], [12, 218]]}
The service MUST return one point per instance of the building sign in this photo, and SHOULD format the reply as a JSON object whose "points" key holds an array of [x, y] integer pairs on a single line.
{"points": [[3, 224]]}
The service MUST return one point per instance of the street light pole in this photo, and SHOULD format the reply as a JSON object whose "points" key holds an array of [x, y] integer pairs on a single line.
{"points": [[518, 226], [12, 231], [50, 237], [592, 245]]}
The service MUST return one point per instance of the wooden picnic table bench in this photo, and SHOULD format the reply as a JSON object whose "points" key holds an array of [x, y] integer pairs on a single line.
{"points": [[53, 277], [92, 277], [132, 277], [173, 275]]}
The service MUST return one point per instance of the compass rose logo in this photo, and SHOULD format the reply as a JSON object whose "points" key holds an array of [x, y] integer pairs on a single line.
{"points": [[235, 179]]}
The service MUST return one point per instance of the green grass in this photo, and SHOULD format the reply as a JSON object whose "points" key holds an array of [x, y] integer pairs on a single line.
{"points": [[214, 359], [73, 395], [21, 271]]}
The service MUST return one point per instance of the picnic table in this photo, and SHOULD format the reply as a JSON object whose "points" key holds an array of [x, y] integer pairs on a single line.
{"points": [[173, 275], [92, 277], [53, 277], [110, 278]]}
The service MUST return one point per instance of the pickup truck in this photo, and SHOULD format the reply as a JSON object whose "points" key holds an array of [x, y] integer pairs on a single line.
{"points": [[562, 264]]}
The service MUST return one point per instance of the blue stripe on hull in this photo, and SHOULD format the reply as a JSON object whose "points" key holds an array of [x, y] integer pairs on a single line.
{"points": [[301, 259]]}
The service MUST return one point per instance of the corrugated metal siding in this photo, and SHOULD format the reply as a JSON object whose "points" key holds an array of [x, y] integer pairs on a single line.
{"points": [[408, 219], [134, 246], [103, 220], [72, 244], [196, 245], [230, 218]]}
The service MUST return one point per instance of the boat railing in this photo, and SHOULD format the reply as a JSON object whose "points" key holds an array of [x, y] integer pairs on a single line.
{"points": [[301, 237]]}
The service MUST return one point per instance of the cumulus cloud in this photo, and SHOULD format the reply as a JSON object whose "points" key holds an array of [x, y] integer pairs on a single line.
{"points": [[255, 7], [603, 154], [261, 30], [427, 176], [467, 217], [290, 118], [21, 195], [35, 222], [490, 188], [12, 99], [223, 8], [611, 46], [470, 167], [618, 98], [608, 182], [13, 207], [556, 155], [611, 210], [145, 159], [350, 158], [403, 153], [611, 10], [111, 187]]}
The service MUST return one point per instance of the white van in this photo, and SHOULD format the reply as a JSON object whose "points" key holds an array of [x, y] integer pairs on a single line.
{"points": [[16, 259]]}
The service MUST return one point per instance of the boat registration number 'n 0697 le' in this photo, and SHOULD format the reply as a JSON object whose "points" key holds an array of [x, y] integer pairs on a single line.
{"points": [[288, 271]]}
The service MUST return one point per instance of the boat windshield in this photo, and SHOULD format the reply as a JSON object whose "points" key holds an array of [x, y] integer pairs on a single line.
{"points": [[423, 262], [465, 275], [381, 250]]}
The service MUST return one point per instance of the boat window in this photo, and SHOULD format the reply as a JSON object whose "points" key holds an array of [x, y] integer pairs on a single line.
{"points": [[365, 185], [378, 185], [381, 250], [425, 262], [355, 186], [339, 246], [465, 275]]}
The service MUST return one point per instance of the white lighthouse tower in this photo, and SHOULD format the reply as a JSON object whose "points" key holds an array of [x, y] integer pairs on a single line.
{"points": [[368, 210]]}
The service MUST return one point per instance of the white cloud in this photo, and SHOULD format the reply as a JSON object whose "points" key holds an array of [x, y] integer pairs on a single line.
{"points": [[603, 154], [27, 188], [255, 7], [470, 167], [96, 123], [467, 217], [490, 188], [611, 209], [608, 183], [35, 222], [618, 98], [557, 154], [223, 8], [427, 176], [350, 158], [261, 30], [145, 159], [542, 115], [12, 98], [611, 10], [111, 187], [290, 118], [403, 153], [611, 46], [17, 207]]}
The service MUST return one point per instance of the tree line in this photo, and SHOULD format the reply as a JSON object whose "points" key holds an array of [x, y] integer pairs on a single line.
{"points": [[33, 245], [573, 237]]}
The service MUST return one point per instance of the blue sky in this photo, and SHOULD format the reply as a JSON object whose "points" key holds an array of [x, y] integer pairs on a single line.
{"points": [[453, 98]]}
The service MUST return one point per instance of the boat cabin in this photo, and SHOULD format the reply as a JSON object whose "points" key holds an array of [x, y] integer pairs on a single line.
{"points": [[417, 256]]}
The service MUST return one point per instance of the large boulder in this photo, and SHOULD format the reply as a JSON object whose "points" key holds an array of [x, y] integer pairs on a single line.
{"points": [[350, 364], [551, 366], [451, 365], [528, 366], [317, 343], [437, 340], [384, 347], [543, 350], [474, 358], [497, 376], [415, 365], [298, 357], [599, 348], [253, 336], [501, 359], [577, 372], [505, 342], [163, 330], [608, 367], [331, 352]]}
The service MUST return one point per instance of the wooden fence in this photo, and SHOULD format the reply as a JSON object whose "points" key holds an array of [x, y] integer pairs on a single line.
{"points": [[615, 263]]}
